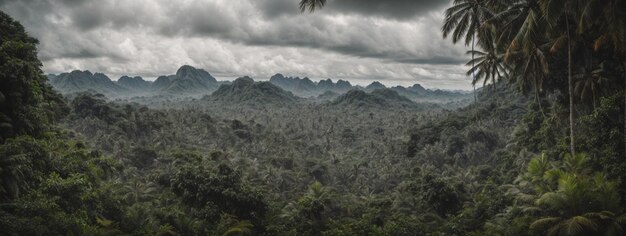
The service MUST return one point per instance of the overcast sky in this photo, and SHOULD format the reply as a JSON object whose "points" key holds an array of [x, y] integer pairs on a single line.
{"points": [[396, 42]]}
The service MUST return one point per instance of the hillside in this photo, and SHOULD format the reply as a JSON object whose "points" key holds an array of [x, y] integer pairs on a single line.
{"points": [[379, 98], [245, 90]]}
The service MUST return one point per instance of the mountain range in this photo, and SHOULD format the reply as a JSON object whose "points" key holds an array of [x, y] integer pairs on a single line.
{"points": [[189, 81], [306, 88]]}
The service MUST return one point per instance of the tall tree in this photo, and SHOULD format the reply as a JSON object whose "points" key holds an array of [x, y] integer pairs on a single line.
{"points": [[463, 21], [521, 27], [488, 65], [27, 103], [530, 67], [609, 17], [555, 12]]}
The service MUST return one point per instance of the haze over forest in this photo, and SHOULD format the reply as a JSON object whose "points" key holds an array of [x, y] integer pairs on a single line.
{"points": [[313, 117]]}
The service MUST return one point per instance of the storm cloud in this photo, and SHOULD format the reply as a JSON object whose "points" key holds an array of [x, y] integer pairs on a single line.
{"points": [[393, 41]]}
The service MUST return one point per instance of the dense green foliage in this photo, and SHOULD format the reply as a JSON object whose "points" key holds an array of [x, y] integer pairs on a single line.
{"points": [[27, 103], [269, 163]]}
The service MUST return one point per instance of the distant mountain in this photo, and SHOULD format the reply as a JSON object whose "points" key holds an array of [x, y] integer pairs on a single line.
{"points": [[162, 82], [134, 83], [417, 92], [293, 84], [245, 91], [380, 98], [80, 81], [375, 85], [343, 85], [189, 80], [304, 87], [307, 88]]}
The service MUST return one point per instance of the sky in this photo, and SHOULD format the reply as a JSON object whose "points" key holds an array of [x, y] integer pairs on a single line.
{"points": [[396, 42]]}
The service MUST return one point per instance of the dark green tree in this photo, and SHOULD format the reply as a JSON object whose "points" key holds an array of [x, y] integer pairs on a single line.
{"points": [[27, 103]]}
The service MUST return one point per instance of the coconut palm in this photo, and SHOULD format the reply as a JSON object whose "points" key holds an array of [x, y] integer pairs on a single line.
{"points": [[463, 21], [236, 227], [137, 191], [530, 67], [590, 84], [609, 17], [572, 200], [582, 205], [510, 21], [489, 65], [555, 12]]}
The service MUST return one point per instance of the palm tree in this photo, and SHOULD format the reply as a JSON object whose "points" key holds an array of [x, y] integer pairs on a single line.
{"points": [[516, 22], [610, 18], [572, 199], [590, 84], [530, 67], [463, 20], [577, 225], [137, 191], [554, 11], [576, 200], [236, 227], [489, 65]]}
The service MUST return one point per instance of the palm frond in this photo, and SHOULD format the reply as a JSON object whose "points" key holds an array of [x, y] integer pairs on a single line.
{"points": [[311, 5], [544, 223]]}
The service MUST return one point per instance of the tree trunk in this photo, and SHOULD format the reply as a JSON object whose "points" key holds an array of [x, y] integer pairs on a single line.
{"points": [[493, 79], [537, 96], [474, 72], [571, 87]]}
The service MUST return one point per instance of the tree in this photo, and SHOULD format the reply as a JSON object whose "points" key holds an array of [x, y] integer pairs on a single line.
{"points": [[610, 18], [555, 11], [590, 84], [489, 65], [530, 67], [310, 212], [571, 198], [27, 103], [463, 20], [217, 192]]}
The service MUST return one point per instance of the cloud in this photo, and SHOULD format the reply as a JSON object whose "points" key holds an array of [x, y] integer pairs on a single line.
{"points": [[356, 39]]}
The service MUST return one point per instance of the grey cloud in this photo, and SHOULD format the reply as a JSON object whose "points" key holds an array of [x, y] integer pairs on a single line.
{"points": [[239, 22], [118, 34]]}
